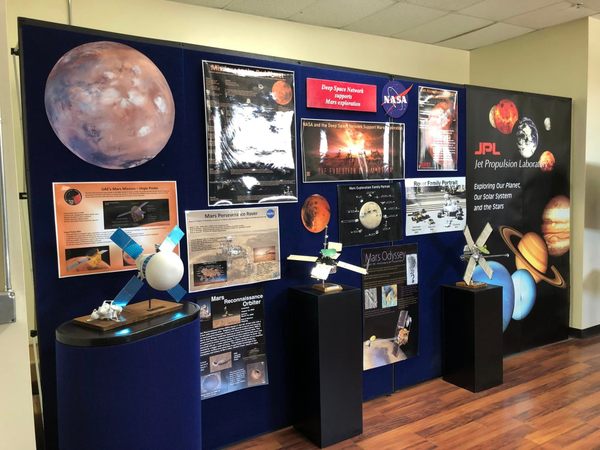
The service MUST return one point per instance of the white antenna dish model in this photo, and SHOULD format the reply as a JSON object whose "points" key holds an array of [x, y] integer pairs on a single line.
{"points": [[473, 253], [327, 263]]}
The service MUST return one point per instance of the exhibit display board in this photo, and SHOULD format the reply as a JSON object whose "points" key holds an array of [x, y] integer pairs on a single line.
{"points": [[518, 166], [167, 128]]}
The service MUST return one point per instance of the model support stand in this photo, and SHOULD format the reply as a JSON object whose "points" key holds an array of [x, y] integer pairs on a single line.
{"points": [[472, 336], [327, 363], [131, 388]]}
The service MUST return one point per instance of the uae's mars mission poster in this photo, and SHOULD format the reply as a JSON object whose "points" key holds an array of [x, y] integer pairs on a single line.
{"points": [[518, 162]]}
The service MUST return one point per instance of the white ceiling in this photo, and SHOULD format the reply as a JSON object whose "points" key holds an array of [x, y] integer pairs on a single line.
{"points": [[461, 24]]}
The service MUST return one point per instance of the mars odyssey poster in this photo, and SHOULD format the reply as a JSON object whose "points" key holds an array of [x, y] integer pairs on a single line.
{"points": [[250, 134], [391, 309], [231, 247], [518, 162]]}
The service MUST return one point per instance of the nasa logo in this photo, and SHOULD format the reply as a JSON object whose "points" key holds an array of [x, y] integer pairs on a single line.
{"points": [[270, 213], [487, 147], [395, 100]]}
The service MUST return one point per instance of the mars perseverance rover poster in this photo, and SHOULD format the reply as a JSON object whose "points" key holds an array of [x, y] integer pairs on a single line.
{"points": [[231, 247]]}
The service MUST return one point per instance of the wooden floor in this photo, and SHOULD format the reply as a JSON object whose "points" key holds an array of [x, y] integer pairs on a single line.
{"points": [[550, 399]]}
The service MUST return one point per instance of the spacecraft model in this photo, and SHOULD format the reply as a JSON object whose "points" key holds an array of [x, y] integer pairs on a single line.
{"points": [[136, 212], [327, 263], [107, 311], [473, 253], [162, 270]]}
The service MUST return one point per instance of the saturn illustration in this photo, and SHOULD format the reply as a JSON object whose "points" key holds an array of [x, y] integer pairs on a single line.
{"points": [[531, 254]]}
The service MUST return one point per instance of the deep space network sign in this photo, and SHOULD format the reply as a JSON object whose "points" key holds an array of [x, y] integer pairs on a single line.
{"points": [[518, 162]]}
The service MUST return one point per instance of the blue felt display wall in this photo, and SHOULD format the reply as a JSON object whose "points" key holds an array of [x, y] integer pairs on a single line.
{"points": [[241, 414]]}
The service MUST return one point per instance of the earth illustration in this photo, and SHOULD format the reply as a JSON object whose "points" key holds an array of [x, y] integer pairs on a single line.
{"points": [[110, 105], [527, 137]]}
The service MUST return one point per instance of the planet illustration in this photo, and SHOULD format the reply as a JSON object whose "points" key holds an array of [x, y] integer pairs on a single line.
{"points": [[524, 293], [370, 215], [282, 92], [527, 137], [531, 254], [547, 124], [547, 161], [500, 277], [503, 116], [211, 382], [315, 213], [556, 225], [109, 105]]}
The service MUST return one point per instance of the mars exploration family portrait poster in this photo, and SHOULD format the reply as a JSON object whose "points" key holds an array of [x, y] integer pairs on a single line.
{"points": [[518, 163]]}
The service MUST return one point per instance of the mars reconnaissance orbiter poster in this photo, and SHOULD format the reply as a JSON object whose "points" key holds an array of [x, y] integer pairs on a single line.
{"points": [[232, 341], [231, 247], [518, 166], [250, 134], [435, 205]]}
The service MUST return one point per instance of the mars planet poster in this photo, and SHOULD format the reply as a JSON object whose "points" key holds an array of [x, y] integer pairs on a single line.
{"points": [[438, 129], [518, 166], [250, 134], [369, 213], [390, 304], [334, 150], [109, 105]]}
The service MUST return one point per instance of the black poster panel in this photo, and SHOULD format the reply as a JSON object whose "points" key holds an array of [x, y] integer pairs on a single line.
{"points": [[518, 162]]}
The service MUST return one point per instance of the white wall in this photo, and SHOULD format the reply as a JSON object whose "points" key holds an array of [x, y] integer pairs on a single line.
{"points": [[182, 23], [16, 406], [590, 305], [552, 61]]}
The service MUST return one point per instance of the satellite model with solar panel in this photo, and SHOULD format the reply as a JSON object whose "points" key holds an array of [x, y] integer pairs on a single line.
{"points": [[474, 253], [327, 263], [162, 270]]}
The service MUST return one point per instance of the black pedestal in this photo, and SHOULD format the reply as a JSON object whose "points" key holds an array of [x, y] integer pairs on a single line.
{"points": [[472, 337], [327, 363]]}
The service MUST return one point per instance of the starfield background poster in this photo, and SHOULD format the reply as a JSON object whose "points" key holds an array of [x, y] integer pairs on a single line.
{"points": [[250, 134], [518, 162], [334, 150]]}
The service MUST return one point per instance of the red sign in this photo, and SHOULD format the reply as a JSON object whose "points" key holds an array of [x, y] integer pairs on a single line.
{"points": [[331, 94]]}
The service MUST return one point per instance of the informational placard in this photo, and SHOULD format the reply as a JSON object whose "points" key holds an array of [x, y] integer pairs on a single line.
{"points": [[250, 134], [518, 171], [435, 205], [369, 213], [335, 150], [86, 214], [232, 342], [230, 247], [438, 129], [332, 94], [391, 309]]}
